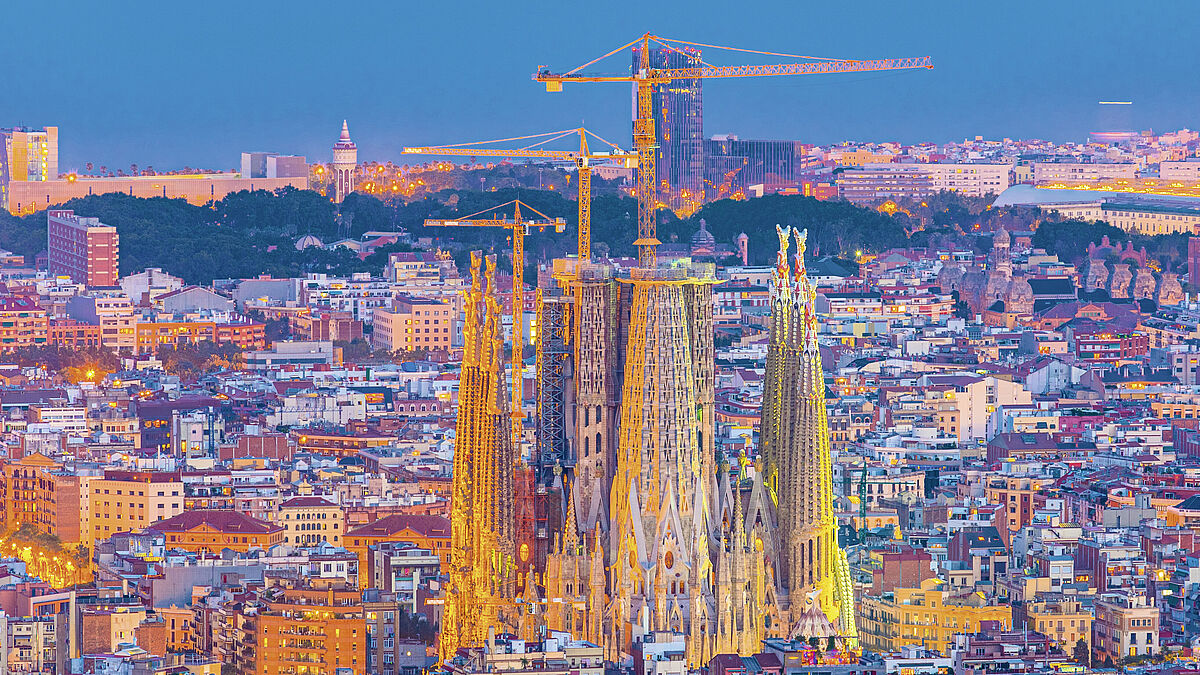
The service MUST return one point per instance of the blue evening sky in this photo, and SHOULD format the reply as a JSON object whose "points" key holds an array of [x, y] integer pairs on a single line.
{"points": [[170, 84]]}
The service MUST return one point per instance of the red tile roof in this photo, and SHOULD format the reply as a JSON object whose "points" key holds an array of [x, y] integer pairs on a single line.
{"points": [[426, 526], [306, 501], [226, 521]]}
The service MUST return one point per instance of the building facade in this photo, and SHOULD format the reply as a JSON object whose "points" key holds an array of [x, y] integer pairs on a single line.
{"points": [[679, 122], [83, 249], [414, 323], [27, 155], [345, 163]]}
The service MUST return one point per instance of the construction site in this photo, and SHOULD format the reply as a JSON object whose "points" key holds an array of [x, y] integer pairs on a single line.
{"points": [[616, 517]]}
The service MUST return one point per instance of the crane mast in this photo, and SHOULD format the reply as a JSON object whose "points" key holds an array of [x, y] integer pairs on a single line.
{"points": [[582, 158], [645, 138], [519, 227]]}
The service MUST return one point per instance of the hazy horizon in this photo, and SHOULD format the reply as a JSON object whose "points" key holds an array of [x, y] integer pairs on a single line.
{"points": [[171, 86]]}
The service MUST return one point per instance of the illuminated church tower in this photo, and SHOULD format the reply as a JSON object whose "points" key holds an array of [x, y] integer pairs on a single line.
{"points": [[482, 576], [345, 161], [809, 565]]}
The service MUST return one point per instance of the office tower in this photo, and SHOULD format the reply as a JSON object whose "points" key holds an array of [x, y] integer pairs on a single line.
{"points": [[731, 164], [679, 121], [345, 162], [480, 590], [273, 165], [28, 155], [83, 249]]}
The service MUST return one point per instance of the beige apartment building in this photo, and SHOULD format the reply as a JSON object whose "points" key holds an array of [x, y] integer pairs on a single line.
{"points": [[123, 501], [310, 520], [414, 323], [1126, 625], [1065, 621], [113, 313]]}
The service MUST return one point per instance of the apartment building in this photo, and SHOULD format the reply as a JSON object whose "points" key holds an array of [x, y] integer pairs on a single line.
{"points": [[310, 520], [83, 249], [928, 616], [414, 323], [23, 323], [1081, 172], [113, 312], [123, 501], [1126, 625]]}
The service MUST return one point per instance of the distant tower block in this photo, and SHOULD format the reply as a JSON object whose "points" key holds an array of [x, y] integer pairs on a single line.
{"points": [[743, 247], [345, 160]]}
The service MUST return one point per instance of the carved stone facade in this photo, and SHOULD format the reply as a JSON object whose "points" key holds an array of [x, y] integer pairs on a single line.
{"points": [[982, 287], [724, 557]]}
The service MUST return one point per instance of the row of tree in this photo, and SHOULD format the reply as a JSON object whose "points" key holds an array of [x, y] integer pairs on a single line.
{"points": [[251, 233]]}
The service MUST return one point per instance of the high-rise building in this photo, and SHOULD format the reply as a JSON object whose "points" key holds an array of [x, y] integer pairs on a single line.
{"points": [[29, 155], [83, 249], [345, 162], [1193, 262], [679, 122], [273, 165], [731, 164]]}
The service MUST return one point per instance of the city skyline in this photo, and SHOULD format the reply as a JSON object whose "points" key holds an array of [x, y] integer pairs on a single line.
{"points": [[421, 76]]}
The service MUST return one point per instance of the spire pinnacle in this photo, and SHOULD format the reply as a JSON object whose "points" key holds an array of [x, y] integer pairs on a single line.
{"points": [[345, 132]]}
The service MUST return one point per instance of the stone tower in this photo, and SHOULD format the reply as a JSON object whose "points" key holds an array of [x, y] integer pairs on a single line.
{"points": [[345, 161], [797, 465], [481, 588]]}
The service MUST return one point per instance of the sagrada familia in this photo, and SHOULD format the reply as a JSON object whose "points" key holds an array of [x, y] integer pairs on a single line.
{"points": [[657, 533]]}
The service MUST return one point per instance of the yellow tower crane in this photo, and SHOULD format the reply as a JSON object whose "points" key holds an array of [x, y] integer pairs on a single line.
{"points": [[583, 159], [645, 78], [519, 227]]}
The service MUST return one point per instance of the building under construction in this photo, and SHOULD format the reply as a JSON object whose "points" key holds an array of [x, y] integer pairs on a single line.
{"points": [[658, 535]]}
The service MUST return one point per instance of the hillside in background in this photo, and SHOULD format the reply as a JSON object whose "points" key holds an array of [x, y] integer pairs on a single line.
{"points": [[252, 233]]}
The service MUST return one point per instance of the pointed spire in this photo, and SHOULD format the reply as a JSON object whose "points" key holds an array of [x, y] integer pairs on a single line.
{"points": [[739, 525], [571, 531], [345, 132]]}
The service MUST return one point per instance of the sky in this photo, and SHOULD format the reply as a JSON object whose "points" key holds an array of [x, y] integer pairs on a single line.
{"points": [[169, 84]]}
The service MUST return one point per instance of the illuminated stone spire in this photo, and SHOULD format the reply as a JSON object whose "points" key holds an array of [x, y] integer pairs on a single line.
{"points": [[482, 582], [795, 449]]}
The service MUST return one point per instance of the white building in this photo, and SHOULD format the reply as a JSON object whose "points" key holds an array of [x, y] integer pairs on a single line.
{"points": [[1081, 172], [1183, 171], [336, 407], [972, 180], [1141, 218]]}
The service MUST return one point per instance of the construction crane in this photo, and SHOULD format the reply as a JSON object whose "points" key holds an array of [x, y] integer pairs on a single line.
{"points": [[519, 227], [645, 78], [583, 159], [862, 492]]}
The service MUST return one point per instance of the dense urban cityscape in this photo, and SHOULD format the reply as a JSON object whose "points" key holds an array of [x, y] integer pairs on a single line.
{"points": [[677, 402]]}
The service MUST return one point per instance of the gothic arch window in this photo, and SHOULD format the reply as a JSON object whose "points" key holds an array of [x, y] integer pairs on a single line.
{"points": [[585, 446], [599, 447]]}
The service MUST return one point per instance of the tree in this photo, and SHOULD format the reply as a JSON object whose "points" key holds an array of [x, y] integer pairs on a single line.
{"points": [[1082, 654]]}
